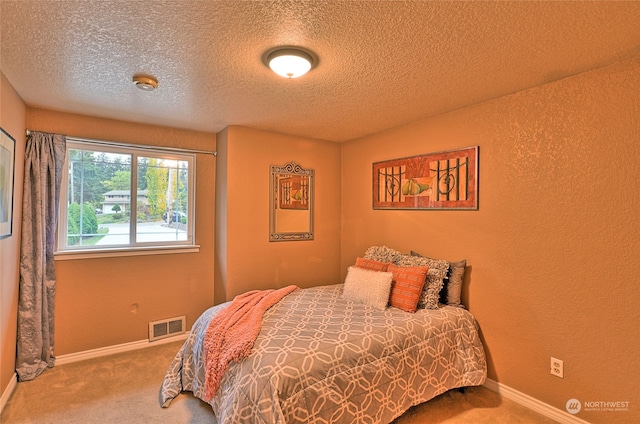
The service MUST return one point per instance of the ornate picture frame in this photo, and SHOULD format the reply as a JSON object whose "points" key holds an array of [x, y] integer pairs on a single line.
{"points": [[434, 181], [291, 203], [7, 163]]}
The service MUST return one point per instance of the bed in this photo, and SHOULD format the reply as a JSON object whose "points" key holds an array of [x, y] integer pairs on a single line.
{"points": [[323, 358]]}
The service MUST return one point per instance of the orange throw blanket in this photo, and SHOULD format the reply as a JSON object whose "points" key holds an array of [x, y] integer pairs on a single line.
{"points": [[232, 333]]}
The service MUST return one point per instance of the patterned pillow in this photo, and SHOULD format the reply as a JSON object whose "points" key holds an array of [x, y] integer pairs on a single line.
{"points": [[407, 285], [382, 254], [437, 271], [372, 265], [369, 287], [435, 278], [452, 283]]}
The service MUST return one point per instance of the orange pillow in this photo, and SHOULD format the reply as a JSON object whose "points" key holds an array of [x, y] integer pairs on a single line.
{"points": [[407, 285], [372, 265]]}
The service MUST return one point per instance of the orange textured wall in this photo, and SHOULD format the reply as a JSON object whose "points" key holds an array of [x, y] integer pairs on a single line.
{"points": [[13, 114], [249, 260], [109, 301], [553, 249]]}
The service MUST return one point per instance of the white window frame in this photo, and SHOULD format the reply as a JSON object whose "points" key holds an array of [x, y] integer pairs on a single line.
{"points": [[133, 248]]}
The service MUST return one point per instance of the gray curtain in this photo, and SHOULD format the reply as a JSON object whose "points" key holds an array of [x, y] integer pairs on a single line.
{"points": [[43, 166]]}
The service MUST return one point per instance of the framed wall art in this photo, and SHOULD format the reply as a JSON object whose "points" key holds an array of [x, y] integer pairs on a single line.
{"points": [[294, 192], [433, 181], [7, 160]]}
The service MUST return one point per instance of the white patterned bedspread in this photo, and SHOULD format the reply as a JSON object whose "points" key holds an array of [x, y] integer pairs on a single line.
{"points": [[322, 359]]}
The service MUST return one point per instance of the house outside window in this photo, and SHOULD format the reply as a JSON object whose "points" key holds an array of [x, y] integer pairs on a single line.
{"points": [[122, 198], [98, 212]]}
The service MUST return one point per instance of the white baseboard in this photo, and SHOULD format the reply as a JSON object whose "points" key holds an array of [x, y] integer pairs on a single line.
{"points": [[8, 391], [110, 350], [534, 404]]}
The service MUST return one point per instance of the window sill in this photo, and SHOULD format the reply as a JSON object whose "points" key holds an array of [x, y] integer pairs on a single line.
{"points": [[111, 253]]}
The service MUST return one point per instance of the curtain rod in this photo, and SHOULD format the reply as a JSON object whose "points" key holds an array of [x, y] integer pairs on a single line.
{"points": [[140, 146]]}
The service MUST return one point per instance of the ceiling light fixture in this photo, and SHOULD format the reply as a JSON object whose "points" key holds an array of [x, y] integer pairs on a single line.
{"points": [[145, 82], [290, 62]]}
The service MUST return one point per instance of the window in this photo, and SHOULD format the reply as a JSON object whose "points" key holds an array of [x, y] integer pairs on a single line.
{"points": [[120, 198]]}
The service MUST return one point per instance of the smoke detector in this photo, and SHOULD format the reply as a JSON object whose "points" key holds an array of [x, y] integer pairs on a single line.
{"points": [[145, 82]]}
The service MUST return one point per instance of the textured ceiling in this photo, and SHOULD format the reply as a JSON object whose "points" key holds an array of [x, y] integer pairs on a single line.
{"points": [[382, 64]]}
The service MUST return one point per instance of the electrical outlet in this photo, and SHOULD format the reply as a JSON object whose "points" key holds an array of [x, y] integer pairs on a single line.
{"points": [[557, 367]]}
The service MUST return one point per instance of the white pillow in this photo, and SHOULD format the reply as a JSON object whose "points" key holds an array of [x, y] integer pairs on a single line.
{"points": [[369, 287]]}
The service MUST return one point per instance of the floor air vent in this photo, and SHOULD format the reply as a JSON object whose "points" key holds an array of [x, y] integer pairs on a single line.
{"points": [[166, 328]]}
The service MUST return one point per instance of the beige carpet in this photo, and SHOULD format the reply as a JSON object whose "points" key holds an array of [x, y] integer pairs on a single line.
{"points": [[124, 388]]}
